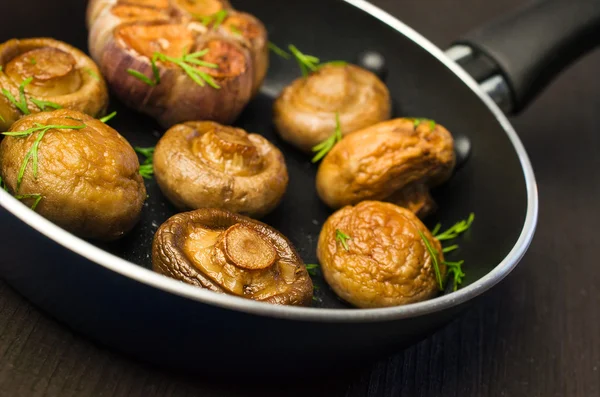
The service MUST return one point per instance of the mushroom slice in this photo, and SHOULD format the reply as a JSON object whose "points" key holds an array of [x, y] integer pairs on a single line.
{"points": [[208, 165], [50, 74], [77, 171], [232, 254], [305, 112], [394, 161], [387, 261]]}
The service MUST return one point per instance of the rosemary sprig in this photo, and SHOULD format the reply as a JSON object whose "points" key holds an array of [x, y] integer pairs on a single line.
{"points": [[434, 259], [36, 196], [32, 153], [278, 51], [147, 167], [419, 121], [325, 147], [215, 19], [455, 268], [342, 237], [454, 231], [109, 117], [21, 104], [312, 268]]}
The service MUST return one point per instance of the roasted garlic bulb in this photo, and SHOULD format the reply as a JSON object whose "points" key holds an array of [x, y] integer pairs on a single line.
{"points": [[208, 165], [305, 112], [45, 74], [179, 60], [231, 254], [396, 161], [76, 171], [375, 255]]}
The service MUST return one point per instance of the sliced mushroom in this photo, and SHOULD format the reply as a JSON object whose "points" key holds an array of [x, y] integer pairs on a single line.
{"points": [[51, 74], [305, 112], [386, 263], [231, 254], [85, 174], [395, 161], [208, 165], [228, 65]]}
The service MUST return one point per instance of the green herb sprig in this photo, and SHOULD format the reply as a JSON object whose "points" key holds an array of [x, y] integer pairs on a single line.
{"points": [[38, 197], [309, 63], [456, 230], [455, 269], [325, 147], [108, 117], [279, 51], [215, 19], [312, 268], [42, 105], [342, 238], [418, 122], [21, 104], [147, 167], [92, 73], [32, 153], [433, 253]]}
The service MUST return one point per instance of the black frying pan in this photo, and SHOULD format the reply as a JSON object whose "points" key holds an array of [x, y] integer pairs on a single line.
{"points": [[108, 293]]}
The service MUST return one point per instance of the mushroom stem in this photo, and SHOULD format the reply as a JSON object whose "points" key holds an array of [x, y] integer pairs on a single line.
{"points": [[246, 248]]}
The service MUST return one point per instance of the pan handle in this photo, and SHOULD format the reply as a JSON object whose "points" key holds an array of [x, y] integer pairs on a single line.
{"points": [[515, 56]]}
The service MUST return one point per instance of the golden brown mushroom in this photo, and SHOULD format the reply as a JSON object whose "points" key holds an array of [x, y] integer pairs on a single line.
{"points": [[44, 74], [208, 165], [396, 161], [84, 177], [305, 112], [231, 254], [179, 60], [386, 263]]}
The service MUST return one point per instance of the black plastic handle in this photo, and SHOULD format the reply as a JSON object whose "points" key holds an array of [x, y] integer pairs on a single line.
{"points": [[532, 45]]}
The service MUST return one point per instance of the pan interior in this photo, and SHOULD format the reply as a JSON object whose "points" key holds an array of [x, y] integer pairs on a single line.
{"points": [[491, 184]]}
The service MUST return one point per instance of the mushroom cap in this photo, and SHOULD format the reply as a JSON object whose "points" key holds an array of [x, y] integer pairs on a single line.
{"points": [[378, 162], [60, 74], [304, 113], [125, 35], [208, 165], [88, 178], [229, 253], [387, 262]]}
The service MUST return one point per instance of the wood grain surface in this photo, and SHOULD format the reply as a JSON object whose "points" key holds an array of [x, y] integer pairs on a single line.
{"points": [[536, 334]]}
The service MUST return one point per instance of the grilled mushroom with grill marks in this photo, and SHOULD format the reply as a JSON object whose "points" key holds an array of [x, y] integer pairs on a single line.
{"points": [[42, 74], [77, 171], [229, 253]]}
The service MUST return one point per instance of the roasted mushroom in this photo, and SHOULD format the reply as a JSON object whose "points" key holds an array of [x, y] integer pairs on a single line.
{"points": [[231, 254], [208, 165], [44, 74], [179, 60], [396, 161], [76, 171], [305, 112], [375, 255]]}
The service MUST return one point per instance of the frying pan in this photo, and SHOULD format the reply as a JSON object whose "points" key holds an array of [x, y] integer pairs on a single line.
{"points": [[108, 292]]}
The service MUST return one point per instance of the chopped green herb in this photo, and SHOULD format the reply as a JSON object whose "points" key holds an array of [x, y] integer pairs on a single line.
{"points": [[92, 73], [32, 61], [450, 249], [277, 50], [142, 77], [417, 122], [2, 119], [342, 237], [307, 63], [109, 117], [147, 167], [215, 19], [235, 30], [21, 104], [37, 197], [434, 259], [456, 230], [45, 104], [455, 268], [325, 147], [312, 269]]}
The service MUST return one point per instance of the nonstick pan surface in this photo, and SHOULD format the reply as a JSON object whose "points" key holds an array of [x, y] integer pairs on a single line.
{"points": [[496, 183]]}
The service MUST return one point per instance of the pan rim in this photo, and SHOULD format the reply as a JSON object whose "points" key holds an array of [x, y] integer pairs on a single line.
{"points": [[155, 280]]}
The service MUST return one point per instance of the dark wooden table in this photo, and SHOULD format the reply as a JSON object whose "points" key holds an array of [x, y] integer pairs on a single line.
{"points": [[536, 334]]}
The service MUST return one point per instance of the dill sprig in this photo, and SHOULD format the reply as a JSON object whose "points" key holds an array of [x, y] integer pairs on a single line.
{"points": [[279, 51], [309, 63], [434, 259], [109, 117], [215, 19], [92, 73], [147, 167], [38, 197], [32, 153], [456, 230], [342, 237], [455, 269], [21, 104], [312, 268], [325, 147], [419, 121], [42, 105]]}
